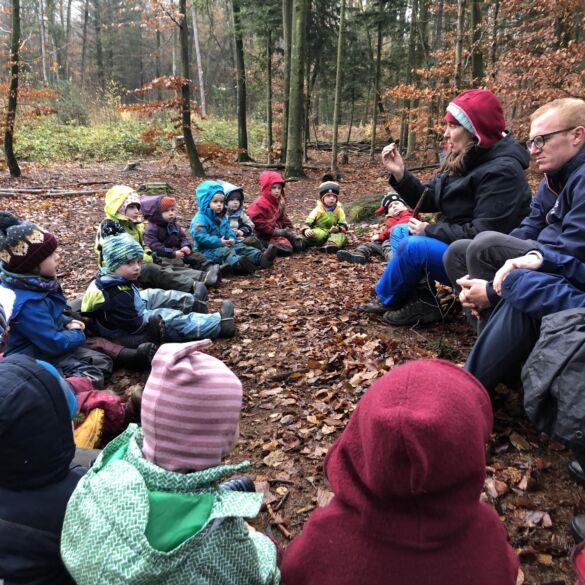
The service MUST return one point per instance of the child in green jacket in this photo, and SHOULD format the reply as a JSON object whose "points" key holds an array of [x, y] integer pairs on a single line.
{"points": [[326, 225], [151, 509]]}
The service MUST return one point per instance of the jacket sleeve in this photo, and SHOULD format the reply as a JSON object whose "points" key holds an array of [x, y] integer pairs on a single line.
{"points": [[312, 217], [201, 236], [535, 221], [342, 221], [539, 294], [495, 197], [246, 224], [49, 336], [410, 189], [261, 217], [285, 221], [569, 267], [151, 240]]}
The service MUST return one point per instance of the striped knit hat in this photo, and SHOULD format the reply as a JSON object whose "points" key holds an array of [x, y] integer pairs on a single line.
{"points": [[190, 408], [117, 250]]}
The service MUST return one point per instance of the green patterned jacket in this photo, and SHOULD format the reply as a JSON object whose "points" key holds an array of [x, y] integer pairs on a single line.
{"points": [[131, 522]]}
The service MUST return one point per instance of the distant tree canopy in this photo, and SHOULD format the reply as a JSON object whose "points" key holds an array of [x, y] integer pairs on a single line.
{"points": [[86, 51]]}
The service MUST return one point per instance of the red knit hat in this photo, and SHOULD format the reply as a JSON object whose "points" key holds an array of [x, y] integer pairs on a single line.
{"points": [[479, 111], [190, 408], [23, 245], [166, 203]]}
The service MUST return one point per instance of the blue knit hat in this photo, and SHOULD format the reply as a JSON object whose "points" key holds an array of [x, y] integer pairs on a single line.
{"points": [[118, 250]]}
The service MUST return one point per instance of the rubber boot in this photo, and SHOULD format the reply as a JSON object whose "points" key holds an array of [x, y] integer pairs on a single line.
{"points": [[267, 259], [156, 330], [228, 326], [243, 267], [136, 359], [353, 257], [200, 301]]}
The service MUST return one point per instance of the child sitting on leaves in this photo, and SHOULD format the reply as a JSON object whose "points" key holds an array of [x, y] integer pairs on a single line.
{"points": [[122, 207], [151, 507], [240, 221], [213, 236], [269, 215], [130, 317], [326, 225], [165, 237], [396, 212], [38, 326]]}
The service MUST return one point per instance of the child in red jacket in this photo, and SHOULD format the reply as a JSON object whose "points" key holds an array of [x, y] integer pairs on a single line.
{"points": [[269, 215], [407, 473], [396, 212]]}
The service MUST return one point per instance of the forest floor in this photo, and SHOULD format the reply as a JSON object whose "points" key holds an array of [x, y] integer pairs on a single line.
{"points": [[305, 356]]}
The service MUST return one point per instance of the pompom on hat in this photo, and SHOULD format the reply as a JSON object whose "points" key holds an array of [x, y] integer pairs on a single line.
{"points": [[23, 245], [190, 408], [480, 112], [117, 250], [166, 203]]}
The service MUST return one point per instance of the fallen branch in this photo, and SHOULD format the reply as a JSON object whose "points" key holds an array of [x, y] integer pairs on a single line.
{"points": [[46, 192], [275, 166], [278, 523], [71, 193]]}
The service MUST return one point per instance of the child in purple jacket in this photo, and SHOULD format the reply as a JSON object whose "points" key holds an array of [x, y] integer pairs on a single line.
{"points": [[165, 237]]}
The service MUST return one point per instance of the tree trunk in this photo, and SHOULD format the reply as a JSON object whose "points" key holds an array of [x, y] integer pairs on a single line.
{"points": [[377, 81], [294, 153], [459, 43], [84, 42], [159, 94], [494, 47], [43, 39], [243, 155], [477, 71], [198, 58], [67, 37], [194, 162], [13, 92], [98, 44], [405, 134], [338, 84], [269, 96], [286, 28]]}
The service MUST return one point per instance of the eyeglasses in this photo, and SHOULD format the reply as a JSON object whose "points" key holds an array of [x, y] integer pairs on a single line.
{"points": [[538, 141]]}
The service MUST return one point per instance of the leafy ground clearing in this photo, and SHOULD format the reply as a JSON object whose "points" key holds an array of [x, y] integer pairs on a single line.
{"points": [[305, 356]]}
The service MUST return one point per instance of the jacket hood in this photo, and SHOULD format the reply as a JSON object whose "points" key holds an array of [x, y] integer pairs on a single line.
{"points": [[414, 451], [36, 438], [267, 179], [114, 198], [506, 147], [204, 194], [150, 205], [229, 188]]}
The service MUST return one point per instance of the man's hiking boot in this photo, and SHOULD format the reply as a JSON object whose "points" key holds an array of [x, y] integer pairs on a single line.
{"points": [[353, 257], [424, 308], [267, 259], [212, 276], [227, 324], [137, 359], [244, 267], [200, 298], [375, 307], [156, 330], [329, 248]]}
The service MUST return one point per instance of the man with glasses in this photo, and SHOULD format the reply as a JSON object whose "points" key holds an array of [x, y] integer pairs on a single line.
{"points": [[557, 216]]}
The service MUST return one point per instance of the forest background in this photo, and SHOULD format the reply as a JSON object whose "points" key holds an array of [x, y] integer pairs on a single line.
{"points": [[90, 84]]}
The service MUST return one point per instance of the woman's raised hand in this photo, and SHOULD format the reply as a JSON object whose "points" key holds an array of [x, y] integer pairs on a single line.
{"points": [[392, 160]]}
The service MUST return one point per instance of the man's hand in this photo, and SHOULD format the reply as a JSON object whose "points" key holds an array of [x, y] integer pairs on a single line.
{"points": [[528, 261], [417, 227], [227, 242], [473, 294]]}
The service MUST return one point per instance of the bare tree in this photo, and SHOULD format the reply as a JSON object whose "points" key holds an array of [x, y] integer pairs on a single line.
{"points": [[338, 83], [13, 92]]}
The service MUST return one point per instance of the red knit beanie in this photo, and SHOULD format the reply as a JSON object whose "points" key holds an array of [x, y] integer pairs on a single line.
{"points": [[166, 203], [23, 245], [190, 408], [479, 111]]}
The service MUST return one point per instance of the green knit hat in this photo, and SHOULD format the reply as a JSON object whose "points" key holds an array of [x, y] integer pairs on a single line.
{"points": [[118, 250]]}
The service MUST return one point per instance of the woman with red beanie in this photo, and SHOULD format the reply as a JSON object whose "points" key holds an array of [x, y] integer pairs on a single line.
{"points": [[407, 474], [481, 185]]}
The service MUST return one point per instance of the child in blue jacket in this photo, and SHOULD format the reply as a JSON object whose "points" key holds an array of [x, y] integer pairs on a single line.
{"points": [[131, 317], [213, 236], [38, 326]]}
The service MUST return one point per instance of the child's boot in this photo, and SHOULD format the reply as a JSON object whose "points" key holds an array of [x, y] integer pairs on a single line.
{"points": [[243, 267], [212, 276], [136, 359], [227, 325], [329, 248], [353, 257], [200, 298], [267, 259], [156, 330]]}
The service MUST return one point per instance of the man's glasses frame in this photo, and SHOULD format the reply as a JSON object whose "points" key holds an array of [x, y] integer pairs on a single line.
{"points": [[539, 141]]}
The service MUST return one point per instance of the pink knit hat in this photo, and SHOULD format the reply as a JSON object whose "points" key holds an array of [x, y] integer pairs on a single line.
{"points": [[190, 408]]}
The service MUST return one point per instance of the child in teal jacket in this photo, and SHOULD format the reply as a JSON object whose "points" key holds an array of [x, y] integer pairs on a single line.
{"points": [[326, 225]]}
